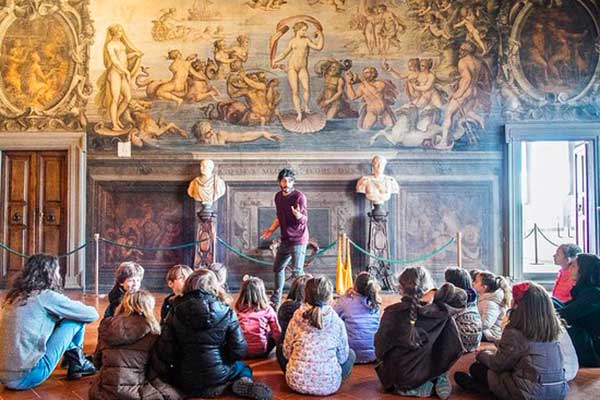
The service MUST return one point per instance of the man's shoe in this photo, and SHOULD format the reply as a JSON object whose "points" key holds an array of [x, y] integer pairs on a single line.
{"points": [[468, 383]]}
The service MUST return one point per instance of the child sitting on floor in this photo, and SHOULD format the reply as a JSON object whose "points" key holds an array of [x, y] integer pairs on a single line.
{"points": [[257, 318], [528, 363], [123, 353], [359, 309], [493, 301], [418, 341], [176, 277], [128, 278], [468, 321], [201, 344], [316, 344]]}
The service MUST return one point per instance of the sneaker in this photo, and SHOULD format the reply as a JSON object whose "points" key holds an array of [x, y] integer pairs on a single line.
{"points": [[79, 365], [246, 387], [420, 391], [443, 387], [469, 384]]}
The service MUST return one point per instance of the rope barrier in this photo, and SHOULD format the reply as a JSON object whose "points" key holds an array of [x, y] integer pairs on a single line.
{"points": [[68, 253], [530, 232], [546, 237], [133, 246], [5, 247], [241, 254], [323, 250], [405, 261], [23, 255]]}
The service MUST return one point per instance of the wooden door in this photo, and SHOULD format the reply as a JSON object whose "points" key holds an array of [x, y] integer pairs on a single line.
{"points": [[34, 198]]}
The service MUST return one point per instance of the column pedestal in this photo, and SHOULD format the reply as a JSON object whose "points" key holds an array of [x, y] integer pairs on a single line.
{"points": [[378, 245], [206, 229]]}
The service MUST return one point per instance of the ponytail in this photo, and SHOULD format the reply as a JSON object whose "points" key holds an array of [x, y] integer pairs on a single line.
{"points": [[318, 293], [503, 284], [367, 286]]}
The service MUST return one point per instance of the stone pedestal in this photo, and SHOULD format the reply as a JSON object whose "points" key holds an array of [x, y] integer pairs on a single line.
{"points": [[206, 229], [378, 245]]}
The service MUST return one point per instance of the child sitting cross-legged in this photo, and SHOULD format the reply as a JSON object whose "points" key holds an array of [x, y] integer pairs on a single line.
{"points": [[257, 318], [418, 341], [316, 345], [201, 344], [359, 309], [176, 277], [123, 353], [528, 362], [128, 278]]}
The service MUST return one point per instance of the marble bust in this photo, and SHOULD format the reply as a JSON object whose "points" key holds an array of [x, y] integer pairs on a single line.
{"points": [[378, 188], [208, 187]]}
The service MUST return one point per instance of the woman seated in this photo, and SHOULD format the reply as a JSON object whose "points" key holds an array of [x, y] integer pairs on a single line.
{"points": [[582, 312], [40, 325]]}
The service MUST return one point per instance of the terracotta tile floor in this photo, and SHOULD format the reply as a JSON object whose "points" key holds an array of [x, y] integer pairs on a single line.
{"points": [[362, 384]]}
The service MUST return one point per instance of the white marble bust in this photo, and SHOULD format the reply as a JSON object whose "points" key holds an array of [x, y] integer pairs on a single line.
{"points": [[206, 188], [378, 188]]}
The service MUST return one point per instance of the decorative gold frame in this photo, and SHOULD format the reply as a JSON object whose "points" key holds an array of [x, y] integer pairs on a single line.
{"points": [[68, 113]]}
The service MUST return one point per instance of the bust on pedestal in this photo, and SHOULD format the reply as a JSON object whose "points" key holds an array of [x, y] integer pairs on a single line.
{"points": [[378, 188], [206, 189]]}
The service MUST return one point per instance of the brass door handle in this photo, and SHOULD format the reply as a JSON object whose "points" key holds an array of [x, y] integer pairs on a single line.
{"points": [[16, 218]]}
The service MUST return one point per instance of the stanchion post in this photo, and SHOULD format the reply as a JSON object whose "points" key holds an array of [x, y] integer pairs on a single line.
{"points": [[459, 249], [97, 265]]}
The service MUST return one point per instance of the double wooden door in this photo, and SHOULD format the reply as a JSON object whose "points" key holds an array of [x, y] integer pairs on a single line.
{"points": [[34, 206]]}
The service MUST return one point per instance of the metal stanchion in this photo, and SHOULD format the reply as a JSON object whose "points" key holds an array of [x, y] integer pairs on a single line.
{"points": [[459, 249], [97, 264]]}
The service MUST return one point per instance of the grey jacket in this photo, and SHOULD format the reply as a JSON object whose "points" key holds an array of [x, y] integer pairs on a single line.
{"points": [[526, 370], [26, 329]]}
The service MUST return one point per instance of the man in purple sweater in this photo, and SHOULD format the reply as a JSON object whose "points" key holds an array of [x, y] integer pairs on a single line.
{"points": [[292, 219]]}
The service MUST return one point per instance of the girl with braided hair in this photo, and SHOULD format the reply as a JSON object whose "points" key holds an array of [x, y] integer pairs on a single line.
{"points": [[316, 344], [419, 332], [359, 309]]}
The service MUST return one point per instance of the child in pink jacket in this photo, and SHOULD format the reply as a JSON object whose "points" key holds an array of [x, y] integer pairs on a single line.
{"points": [[257, 318]]}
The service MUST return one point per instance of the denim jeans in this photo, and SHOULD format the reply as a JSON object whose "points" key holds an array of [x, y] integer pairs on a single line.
{"points": [[286, 253], [67, 335]]}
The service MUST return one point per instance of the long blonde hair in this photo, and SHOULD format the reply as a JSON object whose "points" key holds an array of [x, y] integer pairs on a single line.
{"points": [[253, 296], [206, 280], [140, 303]]}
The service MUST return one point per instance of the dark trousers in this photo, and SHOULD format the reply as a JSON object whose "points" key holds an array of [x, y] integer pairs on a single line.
{"points": [[479, 372]]}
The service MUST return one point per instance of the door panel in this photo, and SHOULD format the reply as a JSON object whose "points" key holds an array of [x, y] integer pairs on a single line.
{"points": [[34, 198], [581, 197], [51, 219]]}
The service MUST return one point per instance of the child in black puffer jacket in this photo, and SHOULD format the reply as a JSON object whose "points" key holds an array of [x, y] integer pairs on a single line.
{"points": [[201, 344]]}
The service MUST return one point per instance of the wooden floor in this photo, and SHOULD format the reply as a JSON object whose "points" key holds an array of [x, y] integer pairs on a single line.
{"points": [[361, 385]]}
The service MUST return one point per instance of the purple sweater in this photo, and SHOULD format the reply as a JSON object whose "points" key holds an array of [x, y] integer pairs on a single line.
{"points": [[293, 231]]}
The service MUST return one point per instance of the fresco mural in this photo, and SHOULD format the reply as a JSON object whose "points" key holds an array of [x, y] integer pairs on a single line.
{"points": [[296, 76]]}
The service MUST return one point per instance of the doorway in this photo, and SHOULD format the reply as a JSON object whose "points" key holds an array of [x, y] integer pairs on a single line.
{"points": [[552, 194], [34, 206]]}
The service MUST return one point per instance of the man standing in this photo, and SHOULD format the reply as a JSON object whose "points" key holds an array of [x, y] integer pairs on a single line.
{"points": [[292, 219]]}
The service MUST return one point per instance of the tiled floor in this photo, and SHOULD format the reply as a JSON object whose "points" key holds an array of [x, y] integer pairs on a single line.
{"points": [[362, 384]]}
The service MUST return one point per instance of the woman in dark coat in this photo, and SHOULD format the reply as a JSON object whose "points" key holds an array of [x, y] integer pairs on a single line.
{"points": [[125, 344], [582, 312], [201, 345], [420, 333]]}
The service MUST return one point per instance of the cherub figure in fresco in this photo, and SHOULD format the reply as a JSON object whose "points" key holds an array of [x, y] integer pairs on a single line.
{"points": [[37, 81], [266, 5], [333, 100], [206, 134], [239, 51], [338, 5], [562, 53], [122, 61], [223, 57], [378, 96], [468, 21], [15, 60], [297, 52], [433, 26], [537, 50], [388, 29], [410, 78], [473, 89], [198, 85]]}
